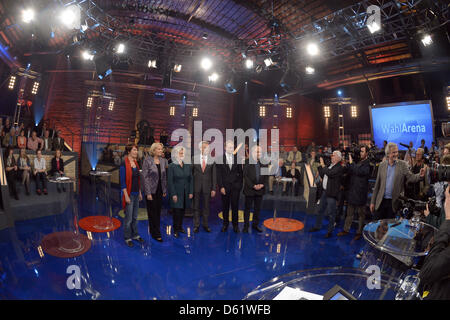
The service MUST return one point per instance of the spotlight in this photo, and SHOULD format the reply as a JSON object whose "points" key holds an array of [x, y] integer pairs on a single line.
{"points": [[177, 68], [249, 63], [373, 27], [194, 112], [229, 85], [35, 88], [103, 87], [427, 40], [12, 82], [448, 102], [102, 66], [206, 63], [152, 63], [184, 96], [84, 27], [111, 105], [268, 62], [354, 112], [27, 15], [70, 17], [310, 70], [120, 48], [89, 102], [87, 55], [312, 49], [326, 112], [339, 92], [213, 77]]}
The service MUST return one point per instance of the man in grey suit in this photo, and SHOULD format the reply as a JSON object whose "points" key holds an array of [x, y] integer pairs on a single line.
{"points": [[392, 174], [204, 173]]}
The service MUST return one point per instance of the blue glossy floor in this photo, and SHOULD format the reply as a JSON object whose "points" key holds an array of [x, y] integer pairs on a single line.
{"points": [[201, 265]]}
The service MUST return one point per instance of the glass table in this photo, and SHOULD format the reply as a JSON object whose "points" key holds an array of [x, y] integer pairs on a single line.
{"points": [[312, 284], [396, 245]]}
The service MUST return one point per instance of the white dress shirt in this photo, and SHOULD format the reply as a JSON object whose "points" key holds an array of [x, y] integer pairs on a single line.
{"points": [[39, 165]]}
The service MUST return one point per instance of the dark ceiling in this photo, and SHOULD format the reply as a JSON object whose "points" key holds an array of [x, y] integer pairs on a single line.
{"points": [[175, 31]]}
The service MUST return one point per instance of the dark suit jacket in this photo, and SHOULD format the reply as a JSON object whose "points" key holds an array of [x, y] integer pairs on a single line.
{"points": [[204, 182], [229, 179], [50, 144], [250, 180], [57, 145], [334, 179]]}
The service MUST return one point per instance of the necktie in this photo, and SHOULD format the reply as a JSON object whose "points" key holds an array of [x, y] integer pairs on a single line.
{"points": [[203, 164]]}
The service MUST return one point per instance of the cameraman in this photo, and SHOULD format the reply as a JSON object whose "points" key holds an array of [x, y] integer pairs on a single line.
{"points": [[435, 273], [357, 195], [390, 182]]}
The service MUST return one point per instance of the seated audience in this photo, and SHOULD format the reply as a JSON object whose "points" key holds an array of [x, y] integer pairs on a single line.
{"points": [[10, 138], [22, 140], [58, 142], [47, 142], [57, 169], [40, 172], [276, 173], [295, 175], [6, 127], [294, 156], [34, 143], [11, 171], [25, 169]]}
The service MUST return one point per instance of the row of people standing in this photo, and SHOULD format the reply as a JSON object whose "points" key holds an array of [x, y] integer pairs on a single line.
{"points": [[22, 169], [190, 185]]}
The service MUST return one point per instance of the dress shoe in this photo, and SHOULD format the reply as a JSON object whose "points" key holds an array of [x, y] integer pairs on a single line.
{"points": [[45, 191], [16, 197], [342, 233], [129, 243], [176, 234], [284, 193], [38, 192], [207, 229], [59, 190], [182, 230], [314, 229], [328, 235], [257, 229], [236, 229], [159, 239], [357, 237], [138, 238], [224, 228], [196, 229]]}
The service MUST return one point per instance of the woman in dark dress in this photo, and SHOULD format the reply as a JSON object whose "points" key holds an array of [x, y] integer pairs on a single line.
{"points": [[181, 188], [155, 188], [11, 171]]}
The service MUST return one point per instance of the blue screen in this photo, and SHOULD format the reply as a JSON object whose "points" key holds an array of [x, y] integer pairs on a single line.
{"points": [[403, 123]]}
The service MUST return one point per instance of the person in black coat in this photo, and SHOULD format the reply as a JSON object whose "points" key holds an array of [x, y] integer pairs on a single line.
{"points": [[254, 188], [332, 180], [435, 272], [229, 180], [57, 169], [357, 194], [205, 181]]}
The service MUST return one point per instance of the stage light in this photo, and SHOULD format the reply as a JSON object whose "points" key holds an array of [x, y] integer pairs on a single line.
{"points": [[111, 105], [427, 40], [177, 68], [206, 63], [249, 63], [326, 112], [87, 55], [373, 27], [354, 112], [448, 103], [213, 77], [195, 112], [12, 82], [268, 62], [262, 111], [152, 63], [310, 70], [339, 92], [27, 15], [35, 88], [120, 48], [184, 96], [84, 27], [312, 49], [172, 111], [102, 66], [288, 112], [89, 102], [70, 17]]}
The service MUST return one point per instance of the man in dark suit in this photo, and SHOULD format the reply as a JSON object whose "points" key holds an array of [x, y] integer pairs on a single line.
{"points": [[205, 175], [331, 184], [47, 142], [229, 180], [254, 188], [58, 142]]}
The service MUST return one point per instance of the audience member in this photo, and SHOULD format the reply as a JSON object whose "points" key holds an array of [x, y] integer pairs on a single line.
{"points": [[10, 138], [35, 143], [57, 169], [295, 156], [22, 140], [295, 175], [25, 169], [418, 190], [276, 174], [40, 172], [47, 142], [11, 171], [58, 141]]}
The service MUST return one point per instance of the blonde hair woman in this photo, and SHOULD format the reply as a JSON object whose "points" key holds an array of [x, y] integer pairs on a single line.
{"points": [[25, 169], [155, 187]]}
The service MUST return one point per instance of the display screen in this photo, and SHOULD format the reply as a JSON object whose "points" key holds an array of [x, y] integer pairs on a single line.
{"points": [[402, 123], [338, 296]]}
